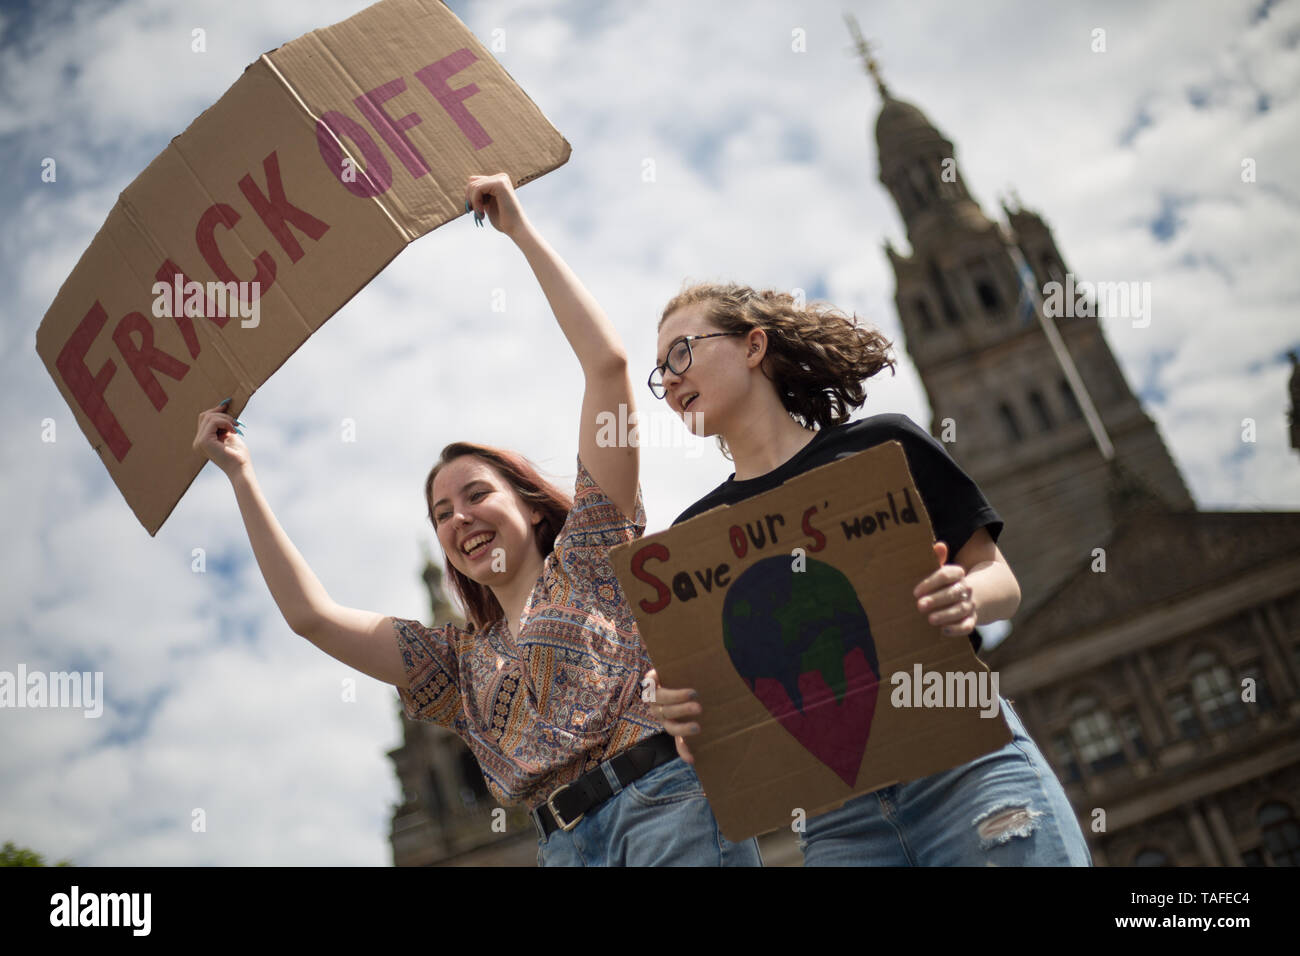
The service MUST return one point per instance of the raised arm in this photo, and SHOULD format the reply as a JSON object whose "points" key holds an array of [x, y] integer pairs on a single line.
{"points": [[361, 639], [591, 335]]}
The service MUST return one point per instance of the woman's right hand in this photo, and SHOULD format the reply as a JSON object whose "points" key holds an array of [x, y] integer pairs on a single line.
{"points": [[219, 442], [675, 708], [494, 196]]}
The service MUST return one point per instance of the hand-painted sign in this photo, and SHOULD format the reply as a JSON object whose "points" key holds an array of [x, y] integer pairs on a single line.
{"points": [[277, 205], [787, 613]]}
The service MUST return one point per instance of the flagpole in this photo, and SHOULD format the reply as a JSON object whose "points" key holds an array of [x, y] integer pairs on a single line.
{"points": [[1029, 286]]}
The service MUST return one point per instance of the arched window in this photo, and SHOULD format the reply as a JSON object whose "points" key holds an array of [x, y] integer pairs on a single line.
{"points": [[1281, 833], [1009, 424], [922, 310], [1183, 712], [1217, 695], [1063, 757], [988, 295], [1131, 726], [1151, 857], [1068, 400], [1095, 736], [919, 184], [930, 174], [917, 197], [1052, 269], [940, 286], [1040, 411], [903, 190]]}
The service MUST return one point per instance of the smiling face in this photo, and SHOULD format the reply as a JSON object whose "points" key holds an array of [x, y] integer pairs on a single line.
{"points": [[476, 512], [711, 393]]}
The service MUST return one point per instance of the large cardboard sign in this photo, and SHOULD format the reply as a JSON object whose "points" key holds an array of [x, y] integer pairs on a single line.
{"points": [[323, 161], [792, 615]]}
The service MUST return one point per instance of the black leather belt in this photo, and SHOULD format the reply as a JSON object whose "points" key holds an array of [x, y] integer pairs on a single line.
{"points": [[566, 806]]}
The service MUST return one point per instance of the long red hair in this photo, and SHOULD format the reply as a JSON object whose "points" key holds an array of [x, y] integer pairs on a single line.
{"points": [[480, 604]]}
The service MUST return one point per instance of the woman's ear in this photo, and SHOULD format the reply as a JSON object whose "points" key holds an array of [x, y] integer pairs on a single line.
{"points": [[755, 347]]}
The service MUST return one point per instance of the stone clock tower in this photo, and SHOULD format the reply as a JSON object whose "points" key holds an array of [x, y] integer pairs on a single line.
{"points": [[1062, 461], [1163, 681]]}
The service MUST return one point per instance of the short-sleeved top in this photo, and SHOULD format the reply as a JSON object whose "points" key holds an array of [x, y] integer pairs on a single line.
{"points": [[541, 709], [955, 504]]}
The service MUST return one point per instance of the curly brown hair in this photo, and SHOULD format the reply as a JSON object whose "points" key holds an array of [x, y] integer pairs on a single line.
{"points": [[818, 357]]}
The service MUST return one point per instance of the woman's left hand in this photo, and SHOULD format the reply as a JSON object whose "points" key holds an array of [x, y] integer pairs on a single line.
{"points": [[946, 597], [495, 196]]}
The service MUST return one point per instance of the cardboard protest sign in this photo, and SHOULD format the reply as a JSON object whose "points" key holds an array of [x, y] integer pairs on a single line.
{"points": [[792, 616], [323, 161]]}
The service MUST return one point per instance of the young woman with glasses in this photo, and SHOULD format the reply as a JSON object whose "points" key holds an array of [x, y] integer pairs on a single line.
{"points": [[776, 383], [544, 685]]}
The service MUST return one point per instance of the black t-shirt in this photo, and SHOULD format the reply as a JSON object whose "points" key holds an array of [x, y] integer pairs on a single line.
{"points": [[956, 506]]}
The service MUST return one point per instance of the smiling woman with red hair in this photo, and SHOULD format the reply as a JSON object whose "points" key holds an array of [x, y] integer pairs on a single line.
{"points": [[544, 683]]}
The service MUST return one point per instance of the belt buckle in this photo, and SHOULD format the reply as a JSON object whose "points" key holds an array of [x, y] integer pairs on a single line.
{"points": [[559, 820]]}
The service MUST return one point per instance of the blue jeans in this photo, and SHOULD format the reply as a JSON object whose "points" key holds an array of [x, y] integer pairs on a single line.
{"points": [[660, 819], [1005, 808]]}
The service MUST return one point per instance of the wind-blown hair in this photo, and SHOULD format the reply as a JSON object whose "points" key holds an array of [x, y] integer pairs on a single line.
{"points": [[818, 357], [480, 604]]}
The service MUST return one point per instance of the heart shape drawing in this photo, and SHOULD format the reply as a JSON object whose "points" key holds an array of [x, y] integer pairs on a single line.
{"points": [[802, 643]]}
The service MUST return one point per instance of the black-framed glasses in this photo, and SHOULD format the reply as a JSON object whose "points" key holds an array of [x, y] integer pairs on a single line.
{"points": [[678, 361]]}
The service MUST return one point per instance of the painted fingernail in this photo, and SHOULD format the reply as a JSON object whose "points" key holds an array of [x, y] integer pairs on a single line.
{"points": [[226, 400], [240, 431], [238, 422]]}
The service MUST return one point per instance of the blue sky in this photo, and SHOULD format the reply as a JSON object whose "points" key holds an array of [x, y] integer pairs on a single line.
{"points": [[765, 173]]}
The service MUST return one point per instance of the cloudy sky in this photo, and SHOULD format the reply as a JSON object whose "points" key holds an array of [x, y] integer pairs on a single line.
{"points": [[765, 172]]}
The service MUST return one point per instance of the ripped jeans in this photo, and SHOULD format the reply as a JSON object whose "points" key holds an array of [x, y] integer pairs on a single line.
{"points": [[1005, 808]]}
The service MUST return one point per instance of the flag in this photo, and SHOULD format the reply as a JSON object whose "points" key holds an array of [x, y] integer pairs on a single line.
{"points": [[1028, 303]]}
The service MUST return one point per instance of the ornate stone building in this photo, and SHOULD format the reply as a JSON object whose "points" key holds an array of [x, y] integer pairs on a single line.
{"points": [[1156, 654]]}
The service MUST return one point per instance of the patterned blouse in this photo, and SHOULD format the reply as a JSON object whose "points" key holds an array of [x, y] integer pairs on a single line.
{"points": [[541, 710]]}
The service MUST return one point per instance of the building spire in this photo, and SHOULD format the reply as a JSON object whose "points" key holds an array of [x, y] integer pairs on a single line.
{"points": [[868, 57]]}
